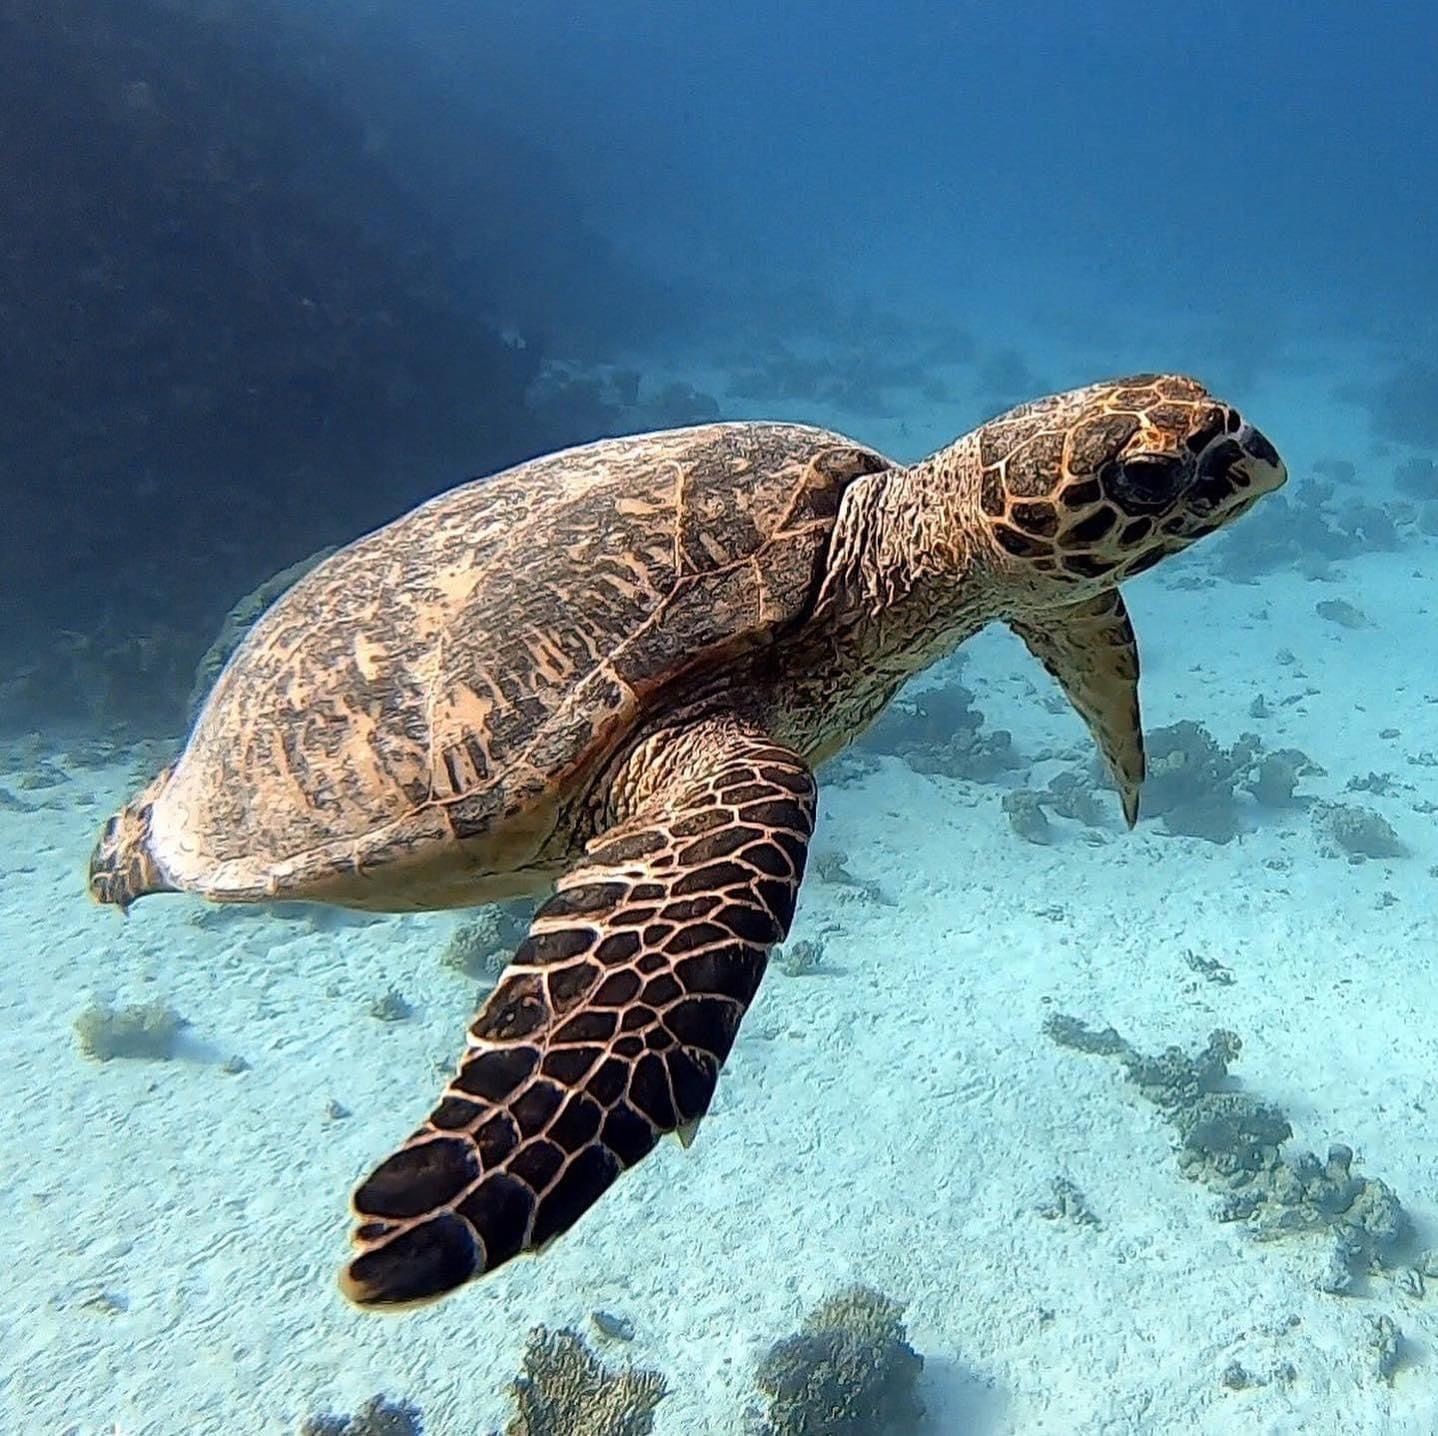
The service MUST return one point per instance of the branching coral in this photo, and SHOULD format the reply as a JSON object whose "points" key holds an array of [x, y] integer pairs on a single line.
{"points": [[482, 945], [1194, 781], [1359, 832], [566, 1390], [940, 731], [379, 1416], [145, 1030], [848, 1371], [1231, 1142]]}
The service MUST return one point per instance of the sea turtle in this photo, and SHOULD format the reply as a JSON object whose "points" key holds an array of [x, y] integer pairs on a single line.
{"points": [[607, 675]]}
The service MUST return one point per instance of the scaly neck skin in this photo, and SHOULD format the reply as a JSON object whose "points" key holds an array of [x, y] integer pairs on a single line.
{"points": [[910, 573]]}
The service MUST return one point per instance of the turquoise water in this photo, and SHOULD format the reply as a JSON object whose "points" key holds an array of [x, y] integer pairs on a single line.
{"points": [[273, 275]]}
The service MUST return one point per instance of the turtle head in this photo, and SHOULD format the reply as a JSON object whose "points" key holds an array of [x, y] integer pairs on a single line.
{"points": [[1090, 487], [122, 865]]}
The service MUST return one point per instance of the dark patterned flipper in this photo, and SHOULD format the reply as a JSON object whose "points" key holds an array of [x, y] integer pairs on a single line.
{"points": [[606, 1031], [1091, 650]]}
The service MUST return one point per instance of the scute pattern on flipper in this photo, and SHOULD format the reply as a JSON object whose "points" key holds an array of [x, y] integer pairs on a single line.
{"points": [[608, 1029]]}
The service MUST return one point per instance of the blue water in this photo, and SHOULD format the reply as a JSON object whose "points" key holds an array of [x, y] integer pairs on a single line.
{"points": [[273, 273]]}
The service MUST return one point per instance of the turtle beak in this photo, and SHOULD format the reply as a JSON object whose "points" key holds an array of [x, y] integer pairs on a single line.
{"points": [[1233, 473], [1260, 463]]}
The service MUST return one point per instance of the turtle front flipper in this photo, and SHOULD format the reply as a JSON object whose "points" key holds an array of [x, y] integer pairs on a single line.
{"points": [[606, 1031], [1089, 647]]}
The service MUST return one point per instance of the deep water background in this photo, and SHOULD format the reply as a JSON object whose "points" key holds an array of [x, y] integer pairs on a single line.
{"points": [[271, 273]]}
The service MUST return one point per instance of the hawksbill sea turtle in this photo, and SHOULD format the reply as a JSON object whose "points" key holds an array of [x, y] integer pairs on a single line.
{"points": [[607, 676]]}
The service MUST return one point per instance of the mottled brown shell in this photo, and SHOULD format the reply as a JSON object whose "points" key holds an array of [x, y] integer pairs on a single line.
{"points": [[416, 710]]}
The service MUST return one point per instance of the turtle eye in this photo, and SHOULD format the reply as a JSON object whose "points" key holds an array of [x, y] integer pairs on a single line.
{"points": [[1148, 481]]}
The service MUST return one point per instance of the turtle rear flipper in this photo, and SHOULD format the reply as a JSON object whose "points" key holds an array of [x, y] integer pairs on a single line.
{"points": [[606, 1031]]}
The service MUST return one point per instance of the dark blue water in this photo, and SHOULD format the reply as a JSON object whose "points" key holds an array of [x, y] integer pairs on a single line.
{"points": [[1169, 158], [261, 262]]}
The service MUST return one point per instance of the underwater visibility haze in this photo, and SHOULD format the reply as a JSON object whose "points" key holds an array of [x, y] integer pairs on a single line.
{"points": [[849, 585]]}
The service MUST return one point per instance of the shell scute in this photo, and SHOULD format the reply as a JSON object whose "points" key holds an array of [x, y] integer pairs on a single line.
{"points": [[452, 678]]}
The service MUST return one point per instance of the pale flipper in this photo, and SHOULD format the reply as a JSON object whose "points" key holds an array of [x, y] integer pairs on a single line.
{"points": [[1091, 650]]}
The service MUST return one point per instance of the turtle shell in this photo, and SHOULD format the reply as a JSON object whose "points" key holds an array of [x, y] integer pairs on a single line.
{"points": [[415, 712]]}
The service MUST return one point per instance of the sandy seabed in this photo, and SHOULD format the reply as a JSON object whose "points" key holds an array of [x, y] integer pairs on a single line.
{"points": [[895, 1117]]}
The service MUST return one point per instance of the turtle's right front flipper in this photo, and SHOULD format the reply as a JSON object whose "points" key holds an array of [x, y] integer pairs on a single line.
{"points": [[606, 1031]]}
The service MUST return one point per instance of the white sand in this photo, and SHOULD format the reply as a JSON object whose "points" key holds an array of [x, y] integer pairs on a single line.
{"points": [[893, 1119]]}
